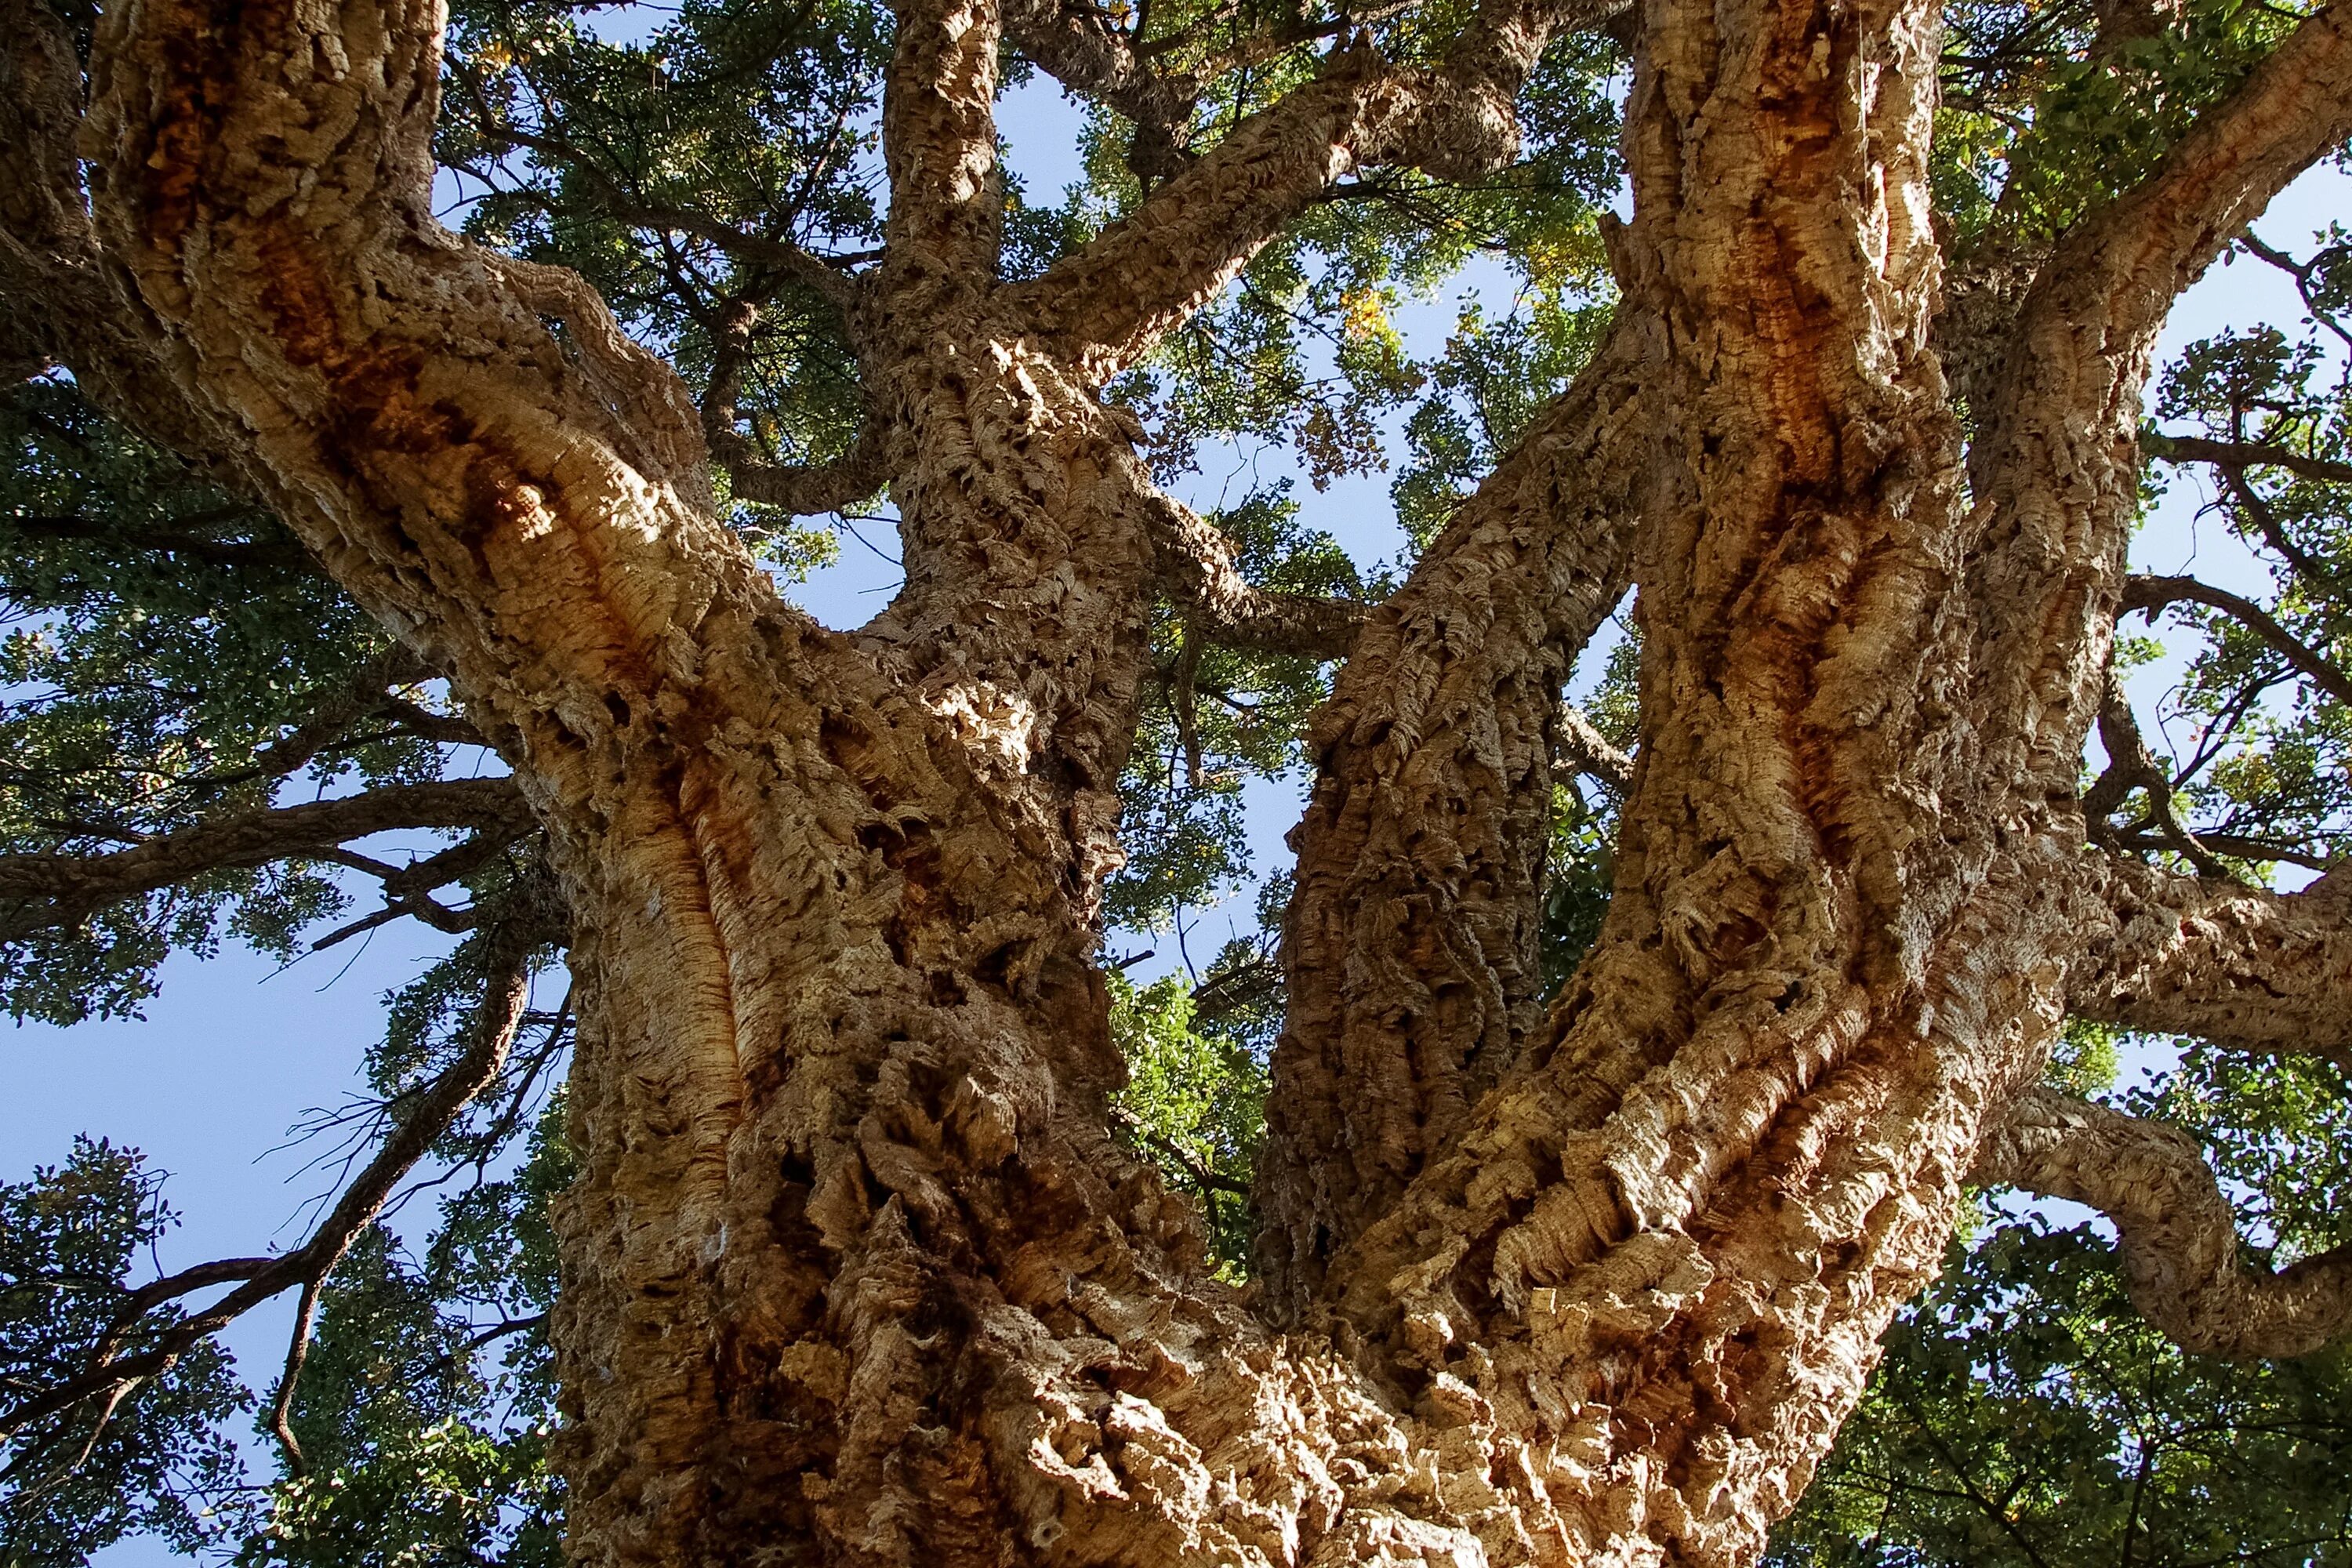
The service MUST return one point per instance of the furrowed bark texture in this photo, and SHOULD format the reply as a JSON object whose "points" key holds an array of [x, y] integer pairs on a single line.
{"points": [[2258, 971], [2179, 1236], [1668, 1242], [1411, 938], [855, 1273]]}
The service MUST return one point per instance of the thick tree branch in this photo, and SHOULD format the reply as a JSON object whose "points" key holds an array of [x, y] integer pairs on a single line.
{"points": [[2294, 109], [802, 489], [468, 443], [1986, 285], [1102, 307], [47, 247], [1196, 570], [939, 146], [38, 891], [2055, 467], [1078, 47], [2153, 592], [2240, 966], [418, 1123], [2243, 455], [2182, 1260], [1583, 747], [1410, 942], [56, 301]]}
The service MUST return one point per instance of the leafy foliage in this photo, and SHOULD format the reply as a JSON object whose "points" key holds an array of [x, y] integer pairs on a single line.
{"points": [[577, 142], [164, 637], [2267, 777], [418, 1449], [2050, 109], [1194, 1103], [1489, 381], [156, 1461], [2025, 1415], [1216, 719]]}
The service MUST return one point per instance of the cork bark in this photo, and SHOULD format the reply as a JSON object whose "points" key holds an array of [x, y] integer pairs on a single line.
{"points": [[855, 1273]]}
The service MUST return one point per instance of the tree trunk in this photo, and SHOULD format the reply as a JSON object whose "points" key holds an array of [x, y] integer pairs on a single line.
{"points": [[855, 1273], [880, 1286]]}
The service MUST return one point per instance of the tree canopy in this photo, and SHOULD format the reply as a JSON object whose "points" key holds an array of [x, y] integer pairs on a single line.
{"points": [[206, 739]]}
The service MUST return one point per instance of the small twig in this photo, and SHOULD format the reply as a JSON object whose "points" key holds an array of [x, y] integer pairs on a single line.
{"points": [[298, 1351]]}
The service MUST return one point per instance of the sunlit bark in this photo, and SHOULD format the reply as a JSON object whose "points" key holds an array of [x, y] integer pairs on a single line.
{"points": [[2182, 1261], [855, 1273]]}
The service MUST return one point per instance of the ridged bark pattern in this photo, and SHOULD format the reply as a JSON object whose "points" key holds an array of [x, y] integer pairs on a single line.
{"points": [[855, 1273]]}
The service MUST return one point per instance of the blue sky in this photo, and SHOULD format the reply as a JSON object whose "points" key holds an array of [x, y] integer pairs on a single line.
{"points": [[236, 1051]]}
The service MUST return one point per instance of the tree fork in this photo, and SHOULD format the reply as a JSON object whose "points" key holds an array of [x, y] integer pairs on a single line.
{"points": [[855, 1273]]}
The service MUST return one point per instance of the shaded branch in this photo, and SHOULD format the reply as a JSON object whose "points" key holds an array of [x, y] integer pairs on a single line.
{"points": [[1196, 570], [2152, 593], [803, 488], [2268, 523], [1199, 1176], [2182, 1257], [41, 891], [2243, 846], [2131, 765], [283, 554], [2310, 281], [57, 303], [491, 1335], [442, 729], [367, 693], [2243, 455], [298, 1351], [1078, 47], [408, 889], [1586, 749]]}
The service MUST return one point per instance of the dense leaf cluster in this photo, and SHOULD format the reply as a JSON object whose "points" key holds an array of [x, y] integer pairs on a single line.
{"points": [[425, 1412], [71, 1239], [165, 638], [2026, 1414]]}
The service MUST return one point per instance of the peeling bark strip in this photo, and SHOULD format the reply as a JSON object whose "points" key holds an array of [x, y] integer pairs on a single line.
{"points": [[855, 1273]]}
